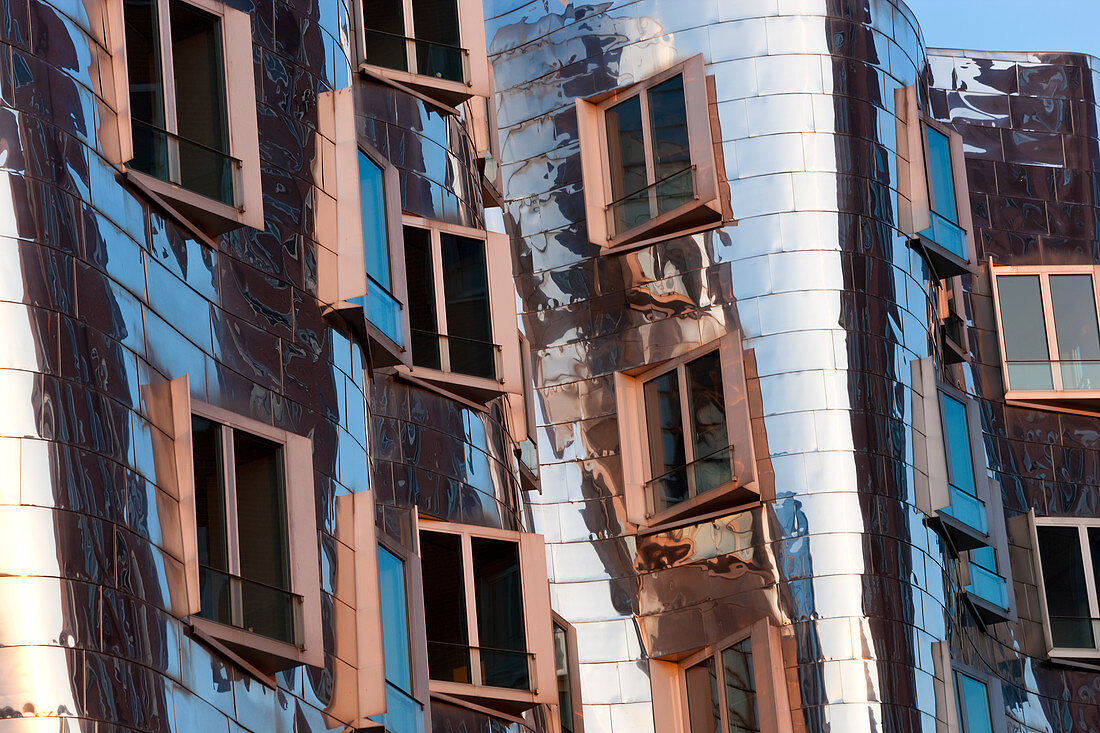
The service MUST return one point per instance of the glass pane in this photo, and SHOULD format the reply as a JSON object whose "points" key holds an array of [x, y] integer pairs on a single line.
{"points": [[395, 619], [561, 669], [466, 293], [437, 48], [973, 700], [445, 607], [704, 715], [1064, 586], [403, 713], [669, 137], [500, 626], [941, 181], [262, 542], [956, 441], [372, 203], [420, 277], [710, 439], [385, 33], [146, 86], [206, 444], [1076, 330], [740, 688], [1024, 330], [666, 436], [626, 152], [200, 101]]}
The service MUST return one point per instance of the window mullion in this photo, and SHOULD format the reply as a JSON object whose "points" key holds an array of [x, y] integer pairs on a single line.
{"points": [[410, 33], [440, 300], [686, 427], [232, 536], [471, 610], [720, 693], [168, 85], [650, 165], [1052, 330]]}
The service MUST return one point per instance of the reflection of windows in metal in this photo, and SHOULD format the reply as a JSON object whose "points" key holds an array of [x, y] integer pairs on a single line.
{"points": [[417, 36], [179, 121], [241, 521], [972, 697], [689, 446], [1069, 556], [450, 316], [1050, 339], [721, 692], [481, 643]]}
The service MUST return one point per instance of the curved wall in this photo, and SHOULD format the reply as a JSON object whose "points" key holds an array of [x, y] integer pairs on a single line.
{"points": [[833, 306]]}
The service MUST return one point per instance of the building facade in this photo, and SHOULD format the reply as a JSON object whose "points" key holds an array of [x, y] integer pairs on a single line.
{"points": [[439, 365]]}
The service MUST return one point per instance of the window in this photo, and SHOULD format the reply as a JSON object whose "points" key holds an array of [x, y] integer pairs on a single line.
{"points": [[250, 534], [360, 259], [934, 208], [1050, 342], [404, 712], [192, 137], [685, 425], [565, 666], [1069, 558], [972, 698], [462, 309], [648, 157], [954, 340], [487, 613], [523, 422], [965, 506], [436, 46]]}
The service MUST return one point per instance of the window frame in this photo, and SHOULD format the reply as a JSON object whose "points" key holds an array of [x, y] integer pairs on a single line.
{"points": [[1082, 524], [502, 316], [522, 422], [538, 629], [573, 663], [471, 33], [706, 210], [211, 216], [952, 294], [772, 706], [915, 210], [946, 670], [634, 436], [1085, 402], [302, 540]]}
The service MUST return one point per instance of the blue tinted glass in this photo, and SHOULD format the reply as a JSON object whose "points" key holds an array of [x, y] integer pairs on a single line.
{"points": [[395, 624], [941, 183], [373, 206], [956, 441], [973, 699]]}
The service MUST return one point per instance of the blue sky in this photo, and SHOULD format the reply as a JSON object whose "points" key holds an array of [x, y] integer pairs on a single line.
{"points": [[1010, 25]]}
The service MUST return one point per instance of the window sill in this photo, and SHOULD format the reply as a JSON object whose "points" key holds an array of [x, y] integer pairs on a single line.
{"points": [[476, 390], [690, 217], [1077, 402], [988, 613], [261, 653], [730, 496], [945, 264], [210, 216], [501, 699], [960, 535], [444, 93], [352, 317]]}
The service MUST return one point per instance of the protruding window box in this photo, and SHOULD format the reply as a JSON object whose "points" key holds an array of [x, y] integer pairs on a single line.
{"points": [[985, 588], [437, 47], [487, 607], [685, 435], [648, 158], [361, 262], [190, 139], [462, 310], [934, 201], [1047, 321]]}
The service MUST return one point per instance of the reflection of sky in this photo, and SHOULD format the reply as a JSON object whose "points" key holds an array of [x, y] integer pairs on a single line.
{"points": [[1010, 25]]}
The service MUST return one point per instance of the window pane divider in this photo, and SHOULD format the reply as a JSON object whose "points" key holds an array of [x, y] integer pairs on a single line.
{"points": [[1051, 329], [471, 610], [687, 427], [647, 142], [410, 36], [435, 240]]}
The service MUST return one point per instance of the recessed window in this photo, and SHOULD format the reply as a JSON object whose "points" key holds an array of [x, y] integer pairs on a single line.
{"points": [[1068, 554], [685, 434], [418, 36], [244, 559], [185, 131], [1049, 334], [648, 157], [721, 692], [483, 613], [972, 698]]}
